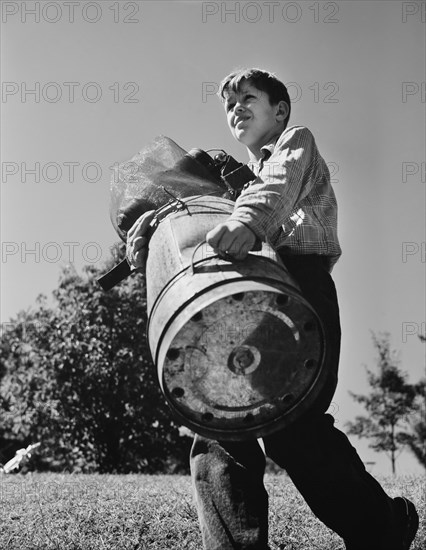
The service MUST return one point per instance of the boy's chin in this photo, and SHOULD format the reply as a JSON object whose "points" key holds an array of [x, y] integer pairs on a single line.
{"points": [[243, 137]]}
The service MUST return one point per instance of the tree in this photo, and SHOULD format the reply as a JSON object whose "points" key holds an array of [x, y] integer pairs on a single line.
{"points": [[390, 403], [81, 381], [415, 439]]}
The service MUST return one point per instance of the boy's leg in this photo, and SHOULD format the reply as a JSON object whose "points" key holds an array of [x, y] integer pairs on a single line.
{"points": [[319, 458], [331, 477], [231, 499]]}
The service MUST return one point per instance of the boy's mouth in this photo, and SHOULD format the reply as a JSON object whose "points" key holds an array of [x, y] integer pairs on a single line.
{"points": [[240, 122]]}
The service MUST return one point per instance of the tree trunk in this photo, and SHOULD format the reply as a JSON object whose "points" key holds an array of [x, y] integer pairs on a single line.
{"points": [[393, 449]]}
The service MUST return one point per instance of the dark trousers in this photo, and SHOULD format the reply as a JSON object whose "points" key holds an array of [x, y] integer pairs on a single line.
{"points": [[231, 499]]}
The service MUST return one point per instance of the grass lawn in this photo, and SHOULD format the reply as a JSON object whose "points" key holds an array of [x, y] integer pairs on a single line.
{"points": [[85, 512]]}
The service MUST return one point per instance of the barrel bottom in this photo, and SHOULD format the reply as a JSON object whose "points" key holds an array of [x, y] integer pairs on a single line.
{"points": [[241, 359]]}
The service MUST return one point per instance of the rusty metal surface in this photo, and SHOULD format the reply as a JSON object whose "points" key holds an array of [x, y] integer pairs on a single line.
{"points": [[242, 362]]}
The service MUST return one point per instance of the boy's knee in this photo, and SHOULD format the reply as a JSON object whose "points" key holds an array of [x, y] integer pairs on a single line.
{"points": [[211, 459], [207, 459], [299, 440]]}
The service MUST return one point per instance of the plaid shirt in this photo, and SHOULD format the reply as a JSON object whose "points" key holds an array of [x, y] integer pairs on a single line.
{"points": [[291, 203]]}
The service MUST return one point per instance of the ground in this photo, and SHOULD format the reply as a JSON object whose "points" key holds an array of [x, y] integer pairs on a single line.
{"points": [[91, 512]]}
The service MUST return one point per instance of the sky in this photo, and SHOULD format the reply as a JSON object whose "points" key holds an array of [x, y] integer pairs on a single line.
{"points": [[88, 84]]}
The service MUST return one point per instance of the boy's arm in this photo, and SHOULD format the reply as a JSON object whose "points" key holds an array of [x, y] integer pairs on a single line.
{"points": [[137, 240], [286, 179], [260, 210]]}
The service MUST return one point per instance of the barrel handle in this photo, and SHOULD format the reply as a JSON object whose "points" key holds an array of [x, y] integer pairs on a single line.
{"points": [[225, 256], [199, 245]]}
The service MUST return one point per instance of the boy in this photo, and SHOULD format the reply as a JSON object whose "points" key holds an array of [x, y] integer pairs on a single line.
{"points": [[292, 205]]}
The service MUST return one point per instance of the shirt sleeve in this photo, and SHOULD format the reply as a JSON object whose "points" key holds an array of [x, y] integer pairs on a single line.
{"points": [[285, 179]]}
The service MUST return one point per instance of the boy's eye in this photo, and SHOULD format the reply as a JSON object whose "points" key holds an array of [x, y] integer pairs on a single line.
{"points": [[230, 106]]}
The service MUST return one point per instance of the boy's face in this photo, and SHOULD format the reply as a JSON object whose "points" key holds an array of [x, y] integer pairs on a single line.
{"points": [[252, 120]]}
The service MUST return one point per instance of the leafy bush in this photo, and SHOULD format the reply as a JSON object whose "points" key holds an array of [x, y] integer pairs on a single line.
{"points": [[79, 378]]}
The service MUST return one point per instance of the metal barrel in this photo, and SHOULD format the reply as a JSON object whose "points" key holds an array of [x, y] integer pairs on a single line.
{"points": [[239, 351]]}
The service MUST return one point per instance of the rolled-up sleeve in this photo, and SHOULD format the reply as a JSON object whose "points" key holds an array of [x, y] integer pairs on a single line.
{"points": [[285, 179]]}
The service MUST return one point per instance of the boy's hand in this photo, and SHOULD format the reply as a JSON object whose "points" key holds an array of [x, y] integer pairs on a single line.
{"points": [[137, 240], [233, 238]]}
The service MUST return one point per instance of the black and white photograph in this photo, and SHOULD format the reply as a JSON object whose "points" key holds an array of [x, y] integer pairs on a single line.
{"points": [[213, 251]]}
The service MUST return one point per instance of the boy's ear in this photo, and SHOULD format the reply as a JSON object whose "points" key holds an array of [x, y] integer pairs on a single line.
{"points": [[282, 111]]}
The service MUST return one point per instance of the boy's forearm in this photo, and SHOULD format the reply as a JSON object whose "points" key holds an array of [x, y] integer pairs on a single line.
{"points": [[262, 210]]}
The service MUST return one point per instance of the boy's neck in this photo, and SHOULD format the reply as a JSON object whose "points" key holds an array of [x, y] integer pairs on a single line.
{"points": [[255, 153]]}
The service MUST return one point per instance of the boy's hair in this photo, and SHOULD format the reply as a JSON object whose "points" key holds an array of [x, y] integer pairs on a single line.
{"points": [[262, 80]]}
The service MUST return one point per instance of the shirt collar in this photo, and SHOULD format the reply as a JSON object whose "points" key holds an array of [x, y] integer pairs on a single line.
{"points": [[267, 150]]}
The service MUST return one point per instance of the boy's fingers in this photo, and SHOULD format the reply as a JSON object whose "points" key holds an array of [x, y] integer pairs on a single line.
{"points": [[141, 224], [239, 249], [224, 244], [235, 243], [215, 236], [136, 255], [139, 259], [137, 240]]}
